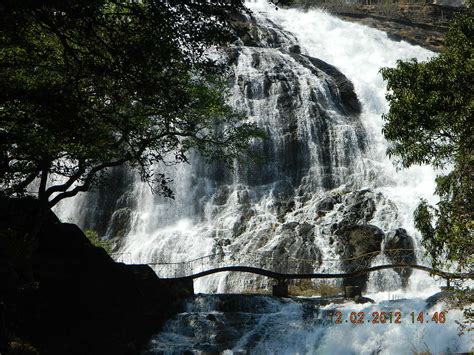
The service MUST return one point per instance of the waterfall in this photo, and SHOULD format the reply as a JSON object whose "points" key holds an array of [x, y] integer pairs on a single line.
{"points": [[359, 52], [311, 81]]}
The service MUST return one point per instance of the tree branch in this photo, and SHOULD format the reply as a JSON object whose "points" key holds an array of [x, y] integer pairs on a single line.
{"points": [[23, 184], [59, 188], [87, 182]]}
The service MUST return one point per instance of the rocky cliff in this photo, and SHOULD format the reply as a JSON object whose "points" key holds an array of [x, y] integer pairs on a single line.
{"points": [[61, 295], [422, 24]]}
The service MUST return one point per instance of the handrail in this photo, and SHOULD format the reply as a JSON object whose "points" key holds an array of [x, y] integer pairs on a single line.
{"points": [[385, 251], [283, 276], [363, 268]]}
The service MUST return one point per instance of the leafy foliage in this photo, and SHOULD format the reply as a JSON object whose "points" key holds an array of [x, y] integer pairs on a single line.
{"points": [[430, 122], [88, 85], [97, 241]]}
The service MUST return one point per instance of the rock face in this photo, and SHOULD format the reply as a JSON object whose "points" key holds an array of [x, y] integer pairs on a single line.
{"points": [[65, 296], [423, 24], [419, 24], [424, 35]]}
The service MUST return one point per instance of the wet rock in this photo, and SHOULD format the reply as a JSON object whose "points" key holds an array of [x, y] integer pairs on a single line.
{"points": [[211, 317], [326, 204], [290, 226], [223, 242], [360, 244], [221, 196], [206, 349], [343, 89], [295, 49], [120, 223], [363, 299], [359, 206], [252, 34], [305, 230], [282, 189], [98, 214], [400, 249], [296, 251], [233, 55], [283, 208], [276, 76], [438, 297], [241, 224], [243, 197]]}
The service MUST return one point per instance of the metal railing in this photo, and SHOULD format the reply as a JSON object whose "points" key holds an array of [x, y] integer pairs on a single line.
{"points": [[274, 263]]}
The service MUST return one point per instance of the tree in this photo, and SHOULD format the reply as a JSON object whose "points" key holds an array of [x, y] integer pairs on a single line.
{"points": [[430, 121], [92, 84]]}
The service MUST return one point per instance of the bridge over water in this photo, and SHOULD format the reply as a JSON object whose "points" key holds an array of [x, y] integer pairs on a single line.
{"points": [[287, 268]]}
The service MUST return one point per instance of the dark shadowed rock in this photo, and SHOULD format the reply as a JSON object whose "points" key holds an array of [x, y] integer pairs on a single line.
{"points": [[103, 203], [438, 297], [363, 299], [120, 223], [362, 241], [66, 296], [295, 49], [343, 90], [399, 248], [326, 204], [400, 240]]}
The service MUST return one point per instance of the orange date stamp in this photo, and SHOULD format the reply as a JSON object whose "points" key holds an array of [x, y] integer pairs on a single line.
{"points": [[395, 317]]}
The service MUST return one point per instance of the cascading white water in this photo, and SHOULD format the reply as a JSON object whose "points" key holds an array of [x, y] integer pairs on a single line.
{"points": [[359, 52], [316, 148], [231, 324], [324, 162]]}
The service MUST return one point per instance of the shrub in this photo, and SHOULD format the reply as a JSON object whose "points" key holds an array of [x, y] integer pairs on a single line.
{"points": [[309, 288], [97, 241]]}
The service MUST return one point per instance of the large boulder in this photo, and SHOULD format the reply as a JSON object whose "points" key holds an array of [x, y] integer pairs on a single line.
{"points": [[341, 87], [356, 208], [400, 249], [296, 251], [360, 245]]}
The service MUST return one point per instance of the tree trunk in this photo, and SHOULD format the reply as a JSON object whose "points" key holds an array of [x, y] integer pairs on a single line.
{"points": [[42, 209]]}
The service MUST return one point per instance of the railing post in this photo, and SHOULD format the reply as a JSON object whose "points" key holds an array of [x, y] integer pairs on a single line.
{"points": [[448, 286], [280, 289]]}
